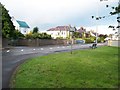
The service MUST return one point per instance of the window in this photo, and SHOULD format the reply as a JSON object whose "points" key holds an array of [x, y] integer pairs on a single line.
{"points": [[24, 31]]}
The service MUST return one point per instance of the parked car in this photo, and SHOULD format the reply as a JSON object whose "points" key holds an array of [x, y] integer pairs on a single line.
{"points": [[80, 41]]}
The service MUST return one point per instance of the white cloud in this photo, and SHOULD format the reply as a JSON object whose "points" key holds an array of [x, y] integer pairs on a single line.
{"points": [[102, 29], [51, 12], [46, 11]]}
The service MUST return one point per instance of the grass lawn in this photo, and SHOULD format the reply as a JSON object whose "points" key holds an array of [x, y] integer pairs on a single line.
{"points": [[91, 68]]}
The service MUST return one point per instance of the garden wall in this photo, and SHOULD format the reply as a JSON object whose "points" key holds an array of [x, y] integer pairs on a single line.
{"points": [[40, 42]]}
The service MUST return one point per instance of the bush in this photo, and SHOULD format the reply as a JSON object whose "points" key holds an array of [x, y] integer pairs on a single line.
{"points": [[88, 40], [102, 39], [18, 35], [98, 40], [92, 38], [38, 35], [28, 36], [35, 35], [59, 38]]}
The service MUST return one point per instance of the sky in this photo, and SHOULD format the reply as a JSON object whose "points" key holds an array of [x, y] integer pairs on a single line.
{"points": [[46, 14]]}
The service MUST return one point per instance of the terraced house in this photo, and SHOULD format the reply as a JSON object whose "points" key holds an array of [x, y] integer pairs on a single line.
{"points": [[21, 26]]}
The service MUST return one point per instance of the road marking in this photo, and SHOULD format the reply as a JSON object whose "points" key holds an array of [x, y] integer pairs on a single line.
{"points": [[8, 50], [68, 46], [63, 47], [58, 47], [42, 49], [51, 48], [33, 49], [21, 49]]}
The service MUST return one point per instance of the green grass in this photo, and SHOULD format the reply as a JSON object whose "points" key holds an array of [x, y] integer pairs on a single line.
{"points": [[92, 68]]}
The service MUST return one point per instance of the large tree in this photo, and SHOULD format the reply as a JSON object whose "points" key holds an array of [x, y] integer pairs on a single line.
{"points": [[8, 28], [35, 30]]}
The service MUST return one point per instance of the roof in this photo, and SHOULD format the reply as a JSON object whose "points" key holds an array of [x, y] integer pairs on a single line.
{"points": [[23, 24], [59, 28], [81, 30]]}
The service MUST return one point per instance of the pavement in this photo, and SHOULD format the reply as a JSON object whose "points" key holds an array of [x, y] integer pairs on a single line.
{"points": [[13, 57]]}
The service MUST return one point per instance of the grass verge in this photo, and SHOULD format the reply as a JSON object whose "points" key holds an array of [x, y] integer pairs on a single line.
{"points": [[96, 68]]}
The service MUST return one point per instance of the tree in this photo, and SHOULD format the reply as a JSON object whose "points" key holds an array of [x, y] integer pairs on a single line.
{"points": [[18, 35], [76, 34], [8, 28], [117, 10], [35, 30], [75, 28]]}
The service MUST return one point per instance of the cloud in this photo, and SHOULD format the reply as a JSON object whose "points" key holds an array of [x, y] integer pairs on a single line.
{"points": [[50, 13], [102, 29]]}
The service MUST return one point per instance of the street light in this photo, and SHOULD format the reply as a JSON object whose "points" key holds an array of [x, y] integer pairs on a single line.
{"points": [[98, 18], [71, 30]]}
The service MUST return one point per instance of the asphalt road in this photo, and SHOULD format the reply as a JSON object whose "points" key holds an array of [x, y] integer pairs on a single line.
{"points": [[12, 58]]}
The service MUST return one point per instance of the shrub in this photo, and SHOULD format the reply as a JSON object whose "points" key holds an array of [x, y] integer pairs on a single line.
{"points": [[18, 35], [92, 38], [28, 36], [38, 35], [98, 40], [102, 39], [59, 38], [88, 40]]}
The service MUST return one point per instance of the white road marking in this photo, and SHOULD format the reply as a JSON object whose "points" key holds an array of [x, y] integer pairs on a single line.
{"points": [[21, 49], [8, 50], [63, 47], [42, 49], [58, 47], [51, 48], [33, 49], [68, 46]]}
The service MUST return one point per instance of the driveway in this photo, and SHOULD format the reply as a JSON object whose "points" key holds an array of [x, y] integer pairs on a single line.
{"points": [[12, 58]]}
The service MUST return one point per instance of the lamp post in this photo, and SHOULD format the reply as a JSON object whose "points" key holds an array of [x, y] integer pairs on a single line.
{"points": [[71, 30], [97, 18]]}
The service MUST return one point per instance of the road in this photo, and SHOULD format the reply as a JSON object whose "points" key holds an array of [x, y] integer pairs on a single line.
{"points": [[12, 58]]}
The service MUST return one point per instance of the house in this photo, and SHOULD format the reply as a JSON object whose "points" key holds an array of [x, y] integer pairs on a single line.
{"points": [[81, 32], [59, 32], [21, 26]]}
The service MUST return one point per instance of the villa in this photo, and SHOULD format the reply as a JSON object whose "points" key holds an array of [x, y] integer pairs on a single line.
{"points": [[59, 32]]}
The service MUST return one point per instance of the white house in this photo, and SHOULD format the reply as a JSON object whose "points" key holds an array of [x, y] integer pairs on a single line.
{"points": [[59, 31], [21, 26]]}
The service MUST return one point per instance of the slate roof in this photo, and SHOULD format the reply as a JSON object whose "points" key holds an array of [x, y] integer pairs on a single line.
{"points": [[80, 31], [23, 24], [59, 28]]}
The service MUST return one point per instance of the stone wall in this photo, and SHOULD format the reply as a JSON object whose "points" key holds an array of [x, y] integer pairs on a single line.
{"points": [[40, 42]]}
